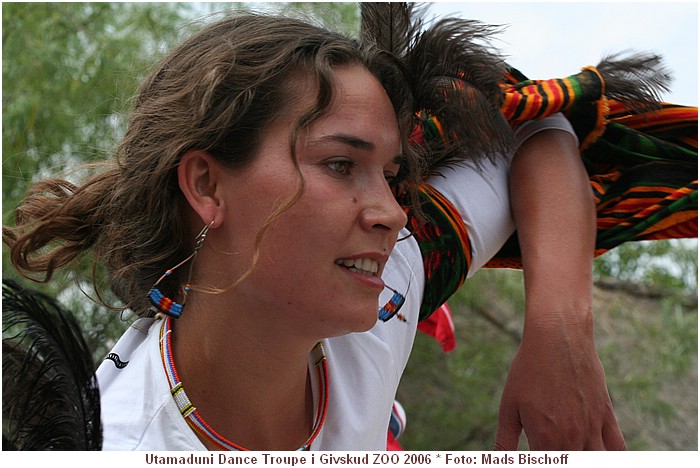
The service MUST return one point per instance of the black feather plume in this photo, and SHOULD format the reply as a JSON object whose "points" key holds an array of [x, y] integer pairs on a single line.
{"points": [[635, 79], [457, 79], [50, 397], [391, 26], [454, 75]]}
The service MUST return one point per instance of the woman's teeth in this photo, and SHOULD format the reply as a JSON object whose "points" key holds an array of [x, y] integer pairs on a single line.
{"points": [[360, 265]]}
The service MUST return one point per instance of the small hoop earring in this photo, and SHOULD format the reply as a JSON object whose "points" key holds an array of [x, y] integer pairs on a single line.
{"points": [[160, 303]]}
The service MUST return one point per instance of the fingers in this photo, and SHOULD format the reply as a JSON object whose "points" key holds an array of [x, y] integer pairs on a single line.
{"points": [[610, 438], [613, 438], [594, 437], [506, 439], [509, 427]]}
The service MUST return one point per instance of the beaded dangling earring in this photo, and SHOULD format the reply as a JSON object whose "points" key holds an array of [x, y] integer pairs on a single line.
{"points": [[391, 308], [160, 304]]}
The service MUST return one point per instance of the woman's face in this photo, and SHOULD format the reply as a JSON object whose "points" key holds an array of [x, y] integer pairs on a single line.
{"points": [[320, 261]]}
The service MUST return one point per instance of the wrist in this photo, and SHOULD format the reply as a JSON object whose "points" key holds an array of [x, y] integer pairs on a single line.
{"points": [[556, 314]]}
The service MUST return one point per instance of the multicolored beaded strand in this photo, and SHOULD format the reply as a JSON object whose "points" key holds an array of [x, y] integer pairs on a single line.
{"points": [[200, 426], [391, 308]]}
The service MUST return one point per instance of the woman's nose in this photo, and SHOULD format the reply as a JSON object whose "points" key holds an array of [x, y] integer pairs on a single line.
{"points": [[382, 211]]}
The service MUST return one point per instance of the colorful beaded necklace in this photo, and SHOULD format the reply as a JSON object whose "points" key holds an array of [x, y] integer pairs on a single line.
{"points": [[200, 426]]}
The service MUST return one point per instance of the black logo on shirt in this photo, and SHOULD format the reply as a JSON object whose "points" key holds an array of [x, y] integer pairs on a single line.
{"points": [[114, 357]]}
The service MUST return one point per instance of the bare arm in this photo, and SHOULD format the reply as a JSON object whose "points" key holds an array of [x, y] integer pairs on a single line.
{"points": [[556, 390]]}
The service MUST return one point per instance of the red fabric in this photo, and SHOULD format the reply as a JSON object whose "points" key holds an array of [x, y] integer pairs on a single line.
{"points": [[392, 443], [441, 327]]}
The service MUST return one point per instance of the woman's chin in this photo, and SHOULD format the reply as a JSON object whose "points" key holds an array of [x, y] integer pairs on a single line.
{"points": [[358, 323]]}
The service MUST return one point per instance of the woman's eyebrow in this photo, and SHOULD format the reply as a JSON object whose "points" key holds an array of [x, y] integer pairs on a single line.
{"points": [[358, 143], [349, 140]]}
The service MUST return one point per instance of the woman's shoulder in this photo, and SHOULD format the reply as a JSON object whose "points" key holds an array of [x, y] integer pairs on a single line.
{"points": [[131, 343], [131, 385]]}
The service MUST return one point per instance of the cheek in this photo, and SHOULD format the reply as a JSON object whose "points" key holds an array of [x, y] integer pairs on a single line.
{"points": [[249, 210], [322, 207], [314, 224], [306, 237]]}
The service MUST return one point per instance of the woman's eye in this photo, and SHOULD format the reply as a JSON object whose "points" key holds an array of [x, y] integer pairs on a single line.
{"points": [[394, 178], [341, 167]]}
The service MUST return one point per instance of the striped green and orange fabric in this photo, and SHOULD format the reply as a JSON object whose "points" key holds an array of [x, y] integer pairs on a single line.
{"points": [[642, 167], [444, 244]]}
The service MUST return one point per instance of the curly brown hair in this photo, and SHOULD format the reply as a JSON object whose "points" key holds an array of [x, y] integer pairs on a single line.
{"points": [[215, 93]]}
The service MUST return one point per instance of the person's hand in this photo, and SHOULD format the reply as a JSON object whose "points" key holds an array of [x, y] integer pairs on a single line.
{"points": [[556, 393]]}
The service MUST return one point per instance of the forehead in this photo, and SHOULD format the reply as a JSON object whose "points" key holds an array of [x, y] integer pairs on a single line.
{"points": [[359, 108], [349, 83], [360, 104]]}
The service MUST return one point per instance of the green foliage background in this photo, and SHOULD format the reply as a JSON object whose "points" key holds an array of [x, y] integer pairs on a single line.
{"points": [[69, 72]]}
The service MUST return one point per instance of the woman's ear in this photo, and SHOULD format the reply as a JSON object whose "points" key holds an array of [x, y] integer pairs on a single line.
{"points": [[198, 175]]}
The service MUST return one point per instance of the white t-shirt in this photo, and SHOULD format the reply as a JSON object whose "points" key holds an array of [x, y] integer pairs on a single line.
{"points": [[138, 410]]}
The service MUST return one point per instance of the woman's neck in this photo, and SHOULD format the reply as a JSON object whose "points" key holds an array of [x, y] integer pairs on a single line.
{"points": [[252, 388]]}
